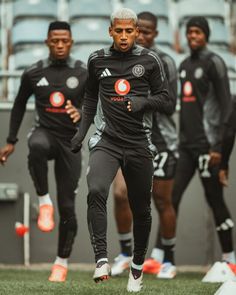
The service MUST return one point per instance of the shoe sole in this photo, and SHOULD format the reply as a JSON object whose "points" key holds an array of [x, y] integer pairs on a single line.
{"points": [[101, 279]]}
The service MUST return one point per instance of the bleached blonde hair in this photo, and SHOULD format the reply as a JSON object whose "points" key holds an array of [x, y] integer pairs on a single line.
{"points": [[124, 13]]}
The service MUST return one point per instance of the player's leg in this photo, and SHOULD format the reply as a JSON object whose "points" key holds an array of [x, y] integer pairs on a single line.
{"points": [[185, 169], [42, 148], [67, 173], [138, 174], [164, 170], [123, 217], [102, 169], [214, 196]]}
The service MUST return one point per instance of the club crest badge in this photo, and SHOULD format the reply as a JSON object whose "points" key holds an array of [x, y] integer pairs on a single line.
{"points": [[138, 70], [72, 82]]}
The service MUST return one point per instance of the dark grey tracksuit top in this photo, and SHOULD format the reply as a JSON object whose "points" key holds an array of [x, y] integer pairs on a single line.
{"points": [[205, 100], [114, 78]]}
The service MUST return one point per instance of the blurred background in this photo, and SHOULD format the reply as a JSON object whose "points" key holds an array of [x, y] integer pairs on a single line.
{"points": [[23, 29]]}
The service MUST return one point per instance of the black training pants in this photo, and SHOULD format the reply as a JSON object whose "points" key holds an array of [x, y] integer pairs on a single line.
{"points": [[44, 146], [137, 168], [189, 161]]}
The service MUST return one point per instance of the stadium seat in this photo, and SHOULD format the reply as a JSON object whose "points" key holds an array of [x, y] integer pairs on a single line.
{"points": [[207, 8], [89, 8], [219, 37], [34, 8], [91, 30], [29, 31], [165, 36], [158, 7], [24, 58], [83, 51]]}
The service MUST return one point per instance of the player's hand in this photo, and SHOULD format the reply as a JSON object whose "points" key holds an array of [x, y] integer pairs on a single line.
{"points": [[224, 177], [72, 111], [5, 152], [76, 143], [215, 158], [135, 104]]}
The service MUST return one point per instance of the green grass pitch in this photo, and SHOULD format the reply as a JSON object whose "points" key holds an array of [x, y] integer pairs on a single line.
{"points": [[34, 282]]}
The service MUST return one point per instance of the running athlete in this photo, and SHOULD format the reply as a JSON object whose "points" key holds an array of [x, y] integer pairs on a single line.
{"points": [[120, 79], [164, 137], [205, 108], [58, 84]]}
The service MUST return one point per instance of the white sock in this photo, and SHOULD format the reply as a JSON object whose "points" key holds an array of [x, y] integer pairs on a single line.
{"points": [[61, 261], [137, 266], [157, 254], [45, 200], [229, 257], [102, 259]]}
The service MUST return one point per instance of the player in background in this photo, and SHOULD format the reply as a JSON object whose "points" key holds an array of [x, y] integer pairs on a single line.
{"points": [[58, 83], [205, 108]]}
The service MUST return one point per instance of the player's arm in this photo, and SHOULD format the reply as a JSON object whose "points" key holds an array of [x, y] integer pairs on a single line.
{"points": [[159, 100], [172, 77], [227, 147], [16, 117], [89, 107], [219, 77]]}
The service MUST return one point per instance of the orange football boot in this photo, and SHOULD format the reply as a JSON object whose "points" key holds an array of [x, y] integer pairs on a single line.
{"points": [[46, 219], [151, 266], [58, 273]]}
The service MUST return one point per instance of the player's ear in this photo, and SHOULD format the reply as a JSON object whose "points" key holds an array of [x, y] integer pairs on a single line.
{"points": [[111, 31]]}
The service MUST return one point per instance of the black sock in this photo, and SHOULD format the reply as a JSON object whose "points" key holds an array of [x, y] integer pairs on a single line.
{"points": [[226, 241], [126, 247], [168, 247]]}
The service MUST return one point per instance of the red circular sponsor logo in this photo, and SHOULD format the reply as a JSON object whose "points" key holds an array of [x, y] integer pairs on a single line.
{"points": [[188, 89], [57, 99], [122, 87]]}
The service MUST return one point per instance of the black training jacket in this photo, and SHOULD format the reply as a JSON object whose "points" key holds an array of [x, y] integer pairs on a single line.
{"points": [[53, 82], [205, 100], [164, 133], [114, 78]]}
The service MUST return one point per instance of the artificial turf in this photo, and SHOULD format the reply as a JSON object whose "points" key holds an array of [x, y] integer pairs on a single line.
{"points": [[30, 282]]}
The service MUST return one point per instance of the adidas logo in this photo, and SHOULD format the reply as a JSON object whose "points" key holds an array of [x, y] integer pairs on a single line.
{"points": [[42, 82], [106, 73]]}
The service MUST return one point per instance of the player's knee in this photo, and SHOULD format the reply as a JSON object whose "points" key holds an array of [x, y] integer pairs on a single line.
{"points": [[120, 197], [36, 149], [97, 196], [162, 204], [141, 213], [120, 194]]}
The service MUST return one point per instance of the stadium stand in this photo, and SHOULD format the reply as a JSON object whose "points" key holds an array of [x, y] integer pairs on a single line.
{"points": [[22, 9], [89, 8], [159, 7], [91, 30], [207, 8], [90, 21], [35, 31]]}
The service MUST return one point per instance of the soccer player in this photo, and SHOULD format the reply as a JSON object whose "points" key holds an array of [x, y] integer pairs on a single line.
{"points": [[58, 83], [120, 79], [205, 108], [164, 136]]}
